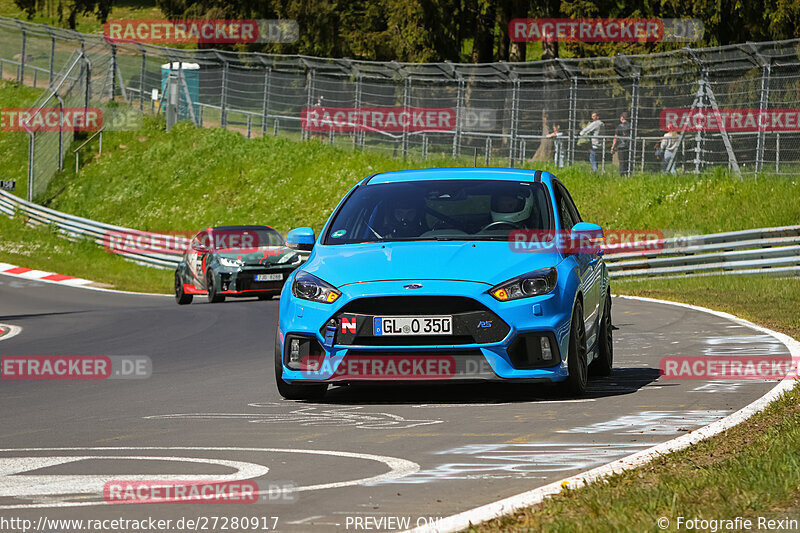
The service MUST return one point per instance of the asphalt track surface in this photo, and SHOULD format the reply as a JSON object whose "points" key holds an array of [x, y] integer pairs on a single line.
{"points": [[408, 454]]}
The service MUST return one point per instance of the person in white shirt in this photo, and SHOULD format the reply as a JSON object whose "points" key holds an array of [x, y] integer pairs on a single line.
{"points": [[669, 147], [594, 130], [558, 145]]}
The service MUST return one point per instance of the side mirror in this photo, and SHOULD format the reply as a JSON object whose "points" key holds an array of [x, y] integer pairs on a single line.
{"points": [[197, 247], [301, 239], [586, 238]]}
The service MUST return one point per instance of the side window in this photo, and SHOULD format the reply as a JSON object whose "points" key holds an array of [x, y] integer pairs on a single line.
{"points": [[566, 208], [563, 212], [573, 210]]}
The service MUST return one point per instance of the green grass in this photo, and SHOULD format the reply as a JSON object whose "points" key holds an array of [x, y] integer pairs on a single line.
{"points": [[42, 248], [14, 144], [765, 300], [191, 178], [750, 470]]}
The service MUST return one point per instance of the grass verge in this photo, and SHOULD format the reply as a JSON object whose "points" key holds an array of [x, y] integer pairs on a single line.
{"points": [[42, 248], [192, 178], [751, 470]]}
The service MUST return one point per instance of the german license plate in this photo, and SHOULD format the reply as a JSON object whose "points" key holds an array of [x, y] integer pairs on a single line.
{"points": [[412, 325], [269, 277]]}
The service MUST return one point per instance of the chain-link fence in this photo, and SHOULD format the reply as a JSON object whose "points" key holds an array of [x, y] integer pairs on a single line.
{"points": [[505, 113]]}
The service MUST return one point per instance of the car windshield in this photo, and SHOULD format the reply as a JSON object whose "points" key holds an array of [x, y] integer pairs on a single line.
{"points": [[235, 239], [441, 210]]}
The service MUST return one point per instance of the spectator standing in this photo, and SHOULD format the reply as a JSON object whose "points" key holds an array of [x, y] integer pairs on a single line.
{"points": [[621, 144], [558, 145], [669, 147], [594, 130]]}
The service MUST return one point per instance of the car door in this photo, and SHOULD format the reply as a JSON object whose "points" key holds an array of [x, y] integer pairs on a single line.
{"points": [[587, 261]]}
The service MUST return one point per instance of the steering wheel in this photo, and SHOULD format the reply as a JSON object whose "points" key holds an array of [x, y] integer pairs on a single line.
{"points": [[496, 223]]}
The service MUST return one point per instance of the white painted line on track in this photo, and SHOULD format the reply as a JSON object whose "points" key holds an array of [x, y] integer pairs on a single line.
{"points": [[463, 520], [7, 331], [398, 467]]}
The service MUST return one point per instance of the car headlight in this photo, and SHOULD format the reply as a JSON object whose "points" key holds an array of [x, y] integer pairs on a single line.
{"points": [[310, 287], [235, 263], [531, 284]]}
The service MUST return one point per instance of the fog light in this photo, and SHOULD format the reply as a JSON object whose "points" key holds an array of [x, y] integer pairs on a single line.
{"points": [[294, 351], [547, 354]]}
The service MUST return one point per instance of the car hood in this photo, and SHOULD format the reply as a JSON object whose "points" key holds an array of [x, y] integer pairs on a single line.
{"points": [[490, 262], [263, 256]]}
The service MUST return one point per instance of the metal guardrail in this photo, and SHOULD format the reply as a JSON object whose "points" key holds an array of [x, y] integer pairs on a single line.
{"points": [[73, 227], [754, 251], [761, 250]]}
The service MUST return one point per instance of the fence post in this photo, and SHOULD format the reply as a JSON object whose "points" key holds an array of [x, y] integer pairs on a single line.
{"points": [[514, 121], [573, 118], [634, 119], [488, 150], [31, 148], [141, 78], [87, 92], [406, 102], [265, 101], [762, 107], [223, 115], [60, 135], [603, 158], [52, 59], [459, 113], [311, 77], [113, 72], [777, 152], [21, 70], [358, 135]]}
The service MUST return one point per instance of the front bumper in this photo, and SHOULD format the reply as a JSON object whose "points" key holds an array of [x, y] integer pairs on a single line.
{"points": [[243, 282], [486, 334]]}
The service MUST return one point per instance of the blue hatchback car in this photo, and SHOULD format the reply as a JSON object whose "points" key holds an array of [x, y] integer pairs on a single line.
{"points": [[447, 275]]}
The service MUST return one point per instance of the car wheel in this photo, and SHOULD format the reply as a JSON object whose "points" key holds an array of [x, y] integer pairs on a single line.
{"points": [[265, 296], [181, 297], [575, 384], [213, 293], [605, 344], [294, 392]]}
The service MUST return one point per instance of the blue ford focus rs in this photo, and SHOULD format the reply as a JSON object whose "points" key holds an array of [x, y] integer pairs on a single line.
{"points": [[447, 275]]}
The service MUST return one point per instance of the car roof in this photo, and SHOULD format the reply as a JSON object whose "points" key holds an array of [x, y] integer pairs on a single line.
{"points": [[459, 173]]}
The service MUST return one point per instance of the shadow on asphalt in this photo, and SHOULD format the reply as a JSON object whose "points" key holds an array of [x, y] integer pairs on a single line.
{"points": [[621, 381]]}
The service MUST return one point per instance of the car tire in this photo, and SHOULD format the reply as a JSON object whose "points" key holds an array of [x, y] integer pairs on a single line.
{"points": [[265, 296], [294, 392], [214, 296], [180, 296], [575, 384], [605, 344]]}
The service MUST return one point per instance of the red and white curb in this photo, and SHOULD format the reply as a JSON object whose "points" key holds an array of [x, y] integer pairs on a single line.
{"points": [[60, 279], [40, 275], [466, 519]]}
